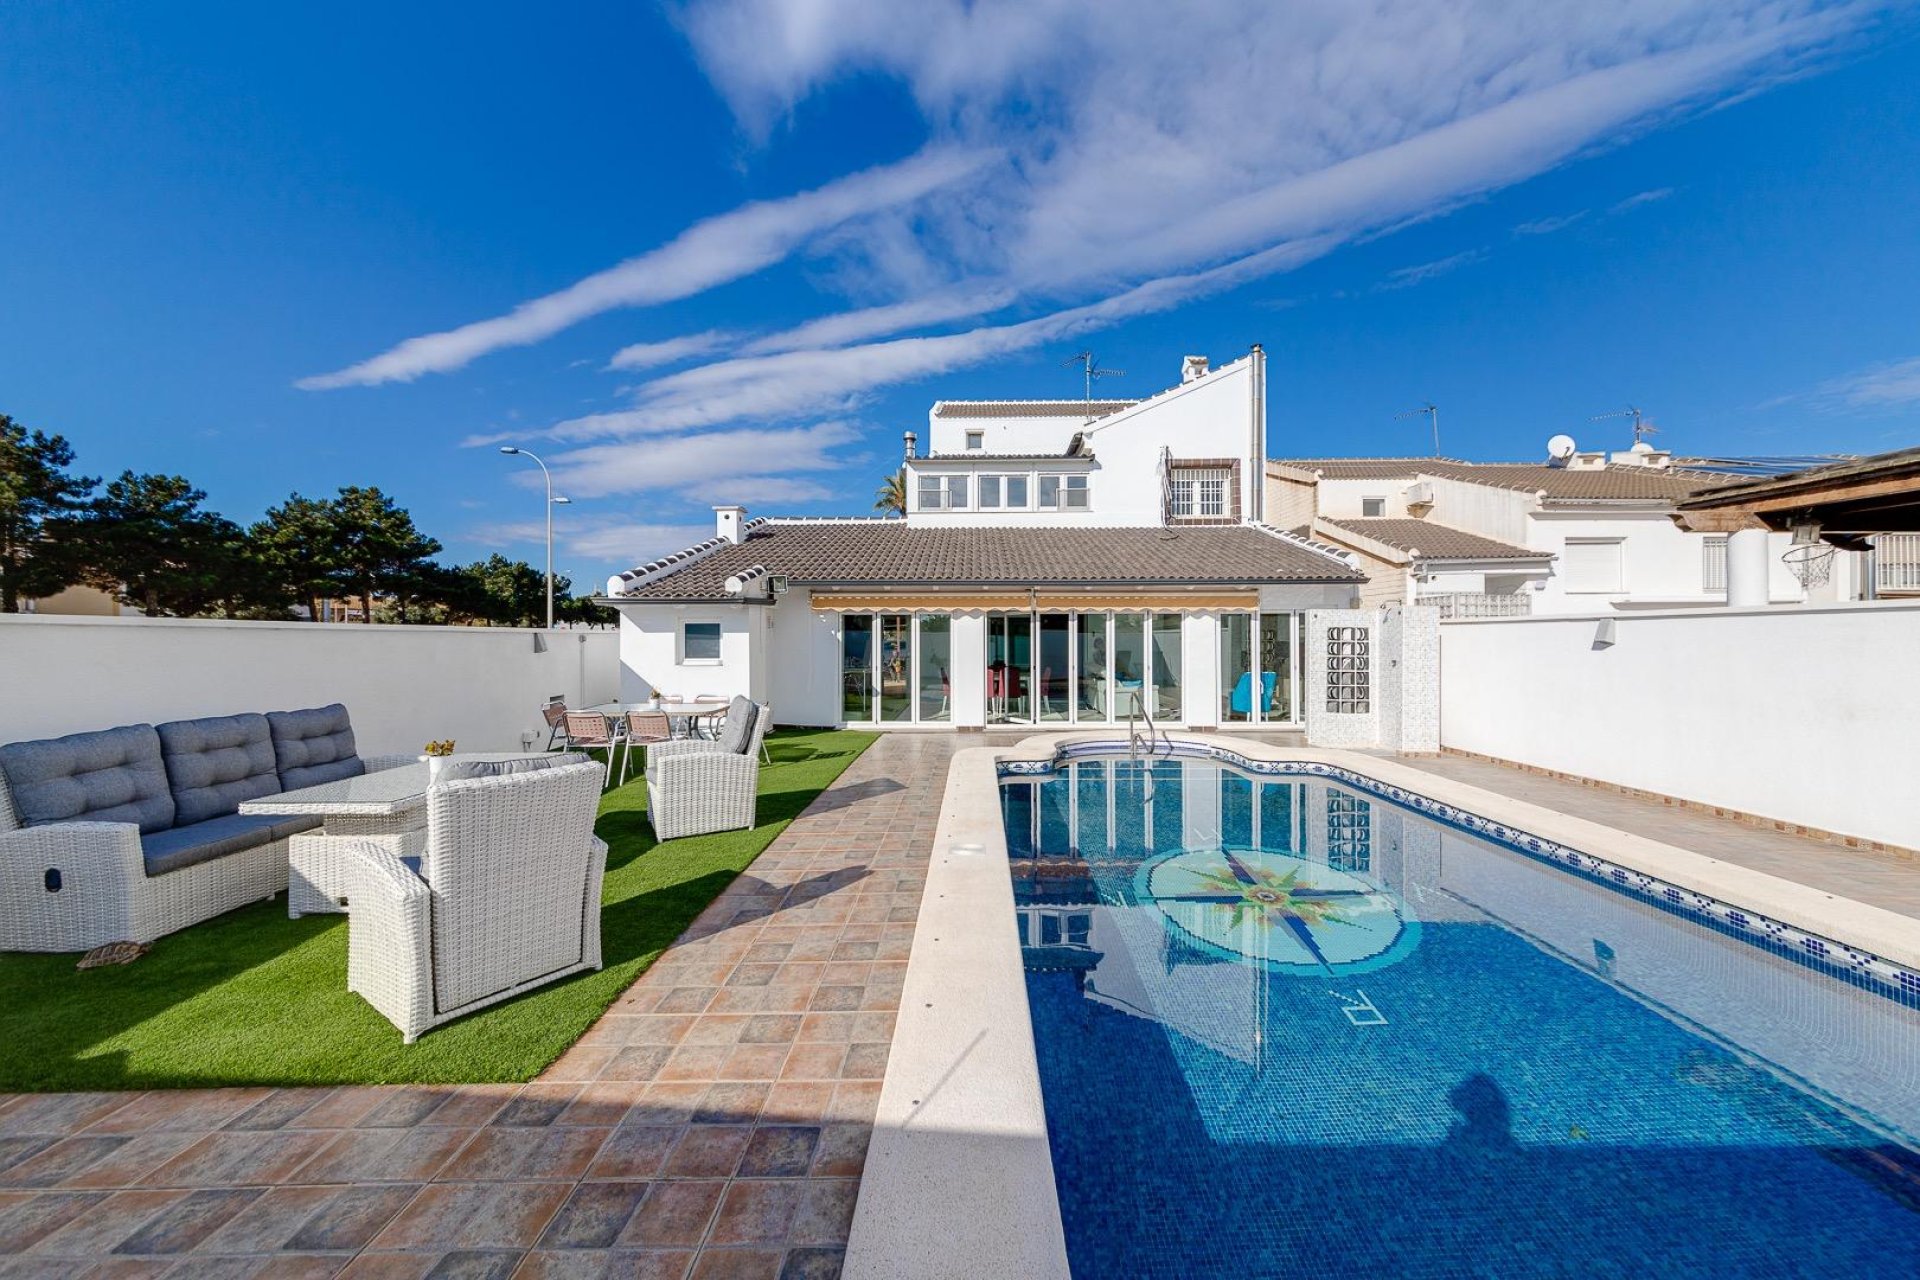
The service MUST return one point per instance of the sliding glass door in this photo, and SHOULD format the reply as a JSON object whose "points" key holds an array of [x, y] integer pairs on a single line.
{"points": [[936, 666], [1259, 663], [1009, 668], [856, 668], [894, 668]]}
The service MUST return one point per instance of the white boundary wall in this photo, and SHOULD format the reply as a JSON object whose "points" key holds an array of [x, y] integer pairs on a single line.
{"points": [[481, 686], [1805, 714]]}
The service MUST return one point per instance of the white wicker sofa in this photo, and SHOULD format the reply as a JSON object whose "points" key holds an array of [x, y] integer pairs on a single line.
{"points": [[698, 785], [130, 833], [502, 897]]}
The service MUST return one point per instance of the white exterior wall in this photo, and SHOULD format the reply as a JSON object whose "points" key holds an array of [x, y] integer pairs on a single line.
{"points": [[1662, 564], [1215, 416], [1340, 499], [481, 686], [651, 659], [1741, 708], [802, 662]]}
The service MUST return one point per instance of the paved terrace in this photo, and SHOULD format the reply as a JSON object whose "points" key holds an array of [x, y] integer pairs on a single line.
{"points": [[714, 1123]]}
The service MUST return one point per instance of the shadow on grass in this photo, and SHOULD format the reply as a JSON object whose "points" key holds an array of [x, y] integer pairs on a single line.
{"points": [[255, 998]]}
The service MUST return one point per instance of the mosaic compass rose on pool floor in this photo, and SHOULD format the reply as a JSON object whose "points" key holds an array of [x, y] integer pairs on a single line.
{"points": [[1277, 911]]}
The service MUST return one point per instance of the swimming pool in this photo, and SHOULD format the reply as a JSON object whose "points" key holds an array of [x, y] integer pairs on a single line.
{"points": [[1288, 1024]]}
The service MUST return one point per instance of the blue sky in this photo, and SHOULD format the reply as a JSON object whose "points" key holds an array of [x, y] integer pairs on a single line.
{"points": [[730, 250]]}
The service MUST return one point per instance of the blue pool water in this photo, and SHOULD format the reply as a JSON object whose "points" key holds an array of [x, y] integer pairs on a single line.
{"points": [[1288, 1028]]}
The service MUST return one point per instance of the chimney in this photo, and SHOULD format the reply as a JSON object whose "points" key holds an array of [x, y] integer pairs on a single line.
{"points": [[730, 523], [913, 443], [1193, 367]]}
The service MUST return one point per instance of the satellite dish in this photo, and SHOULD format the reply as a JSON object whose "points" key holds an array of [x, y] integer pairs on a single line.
{"points": [[1560, 448]]}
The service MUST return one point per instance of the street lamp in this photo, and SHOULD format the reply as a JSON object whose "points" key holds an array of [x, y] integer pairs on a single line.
{"points": [[552, 502]]}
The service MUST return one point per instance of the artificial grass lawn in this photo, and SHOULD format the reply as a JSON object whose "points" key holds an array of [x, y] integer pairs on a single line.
{"points": [[255, 998]]}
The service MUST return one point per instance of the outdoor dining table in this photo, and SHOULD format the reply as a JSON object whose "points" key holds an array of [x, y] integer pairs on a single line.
{"points": [[684, 714], [388, 807]]}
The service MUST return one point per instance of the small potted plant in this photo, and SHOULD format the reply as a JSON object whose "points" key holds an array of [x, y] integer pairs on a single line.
{"points": [[653, 699], [437, 754]]}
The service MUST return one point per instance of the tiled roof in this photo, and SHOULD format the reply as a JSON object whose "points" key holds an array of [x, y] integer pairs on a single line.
{"points": [[1564, 484], [969, 455], [1029, 408], [1434, 541], [889, 552]]}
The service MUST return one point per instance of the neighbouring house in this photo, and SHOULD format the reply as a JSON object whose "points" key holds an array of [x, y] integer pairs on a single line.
{"points": [[1584, 531], [1061, 562], [81, 601]]}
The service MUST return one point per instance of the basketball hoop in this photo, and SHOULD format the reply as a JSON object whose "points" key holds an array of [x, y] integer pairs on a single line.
{"points": [[1811, 563]]}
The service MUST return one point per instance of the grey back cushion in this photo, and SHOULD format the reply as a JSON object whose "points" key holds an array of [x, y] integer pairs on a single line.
{"points": [[740, 716], [456, 770], [214, 764], [114, 775], [313, 746]]}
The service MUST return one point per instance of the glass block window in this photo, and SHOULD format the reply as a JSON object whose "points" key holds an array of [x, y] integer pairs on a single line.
{"points": [[1349, 671], [1349, 832]]}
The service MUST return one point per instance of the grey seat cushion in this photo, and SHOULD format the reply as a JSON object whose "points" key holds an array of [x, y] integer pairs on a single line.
{"points": [[455, 770], [313, 746], [214, 764], [182, 847], [740, 716], [113, 775]]}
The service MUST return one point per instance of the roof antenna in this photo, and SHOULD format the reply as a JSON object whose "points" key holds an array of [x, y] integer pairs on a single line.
{"points": [[1432, 411], [1086, 360], [1641, 427]]}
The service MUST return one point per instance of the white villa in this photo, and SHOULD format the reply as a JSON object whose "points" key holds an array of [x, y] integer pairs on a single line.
{"points": [[1581, 533], [1061, 562]]}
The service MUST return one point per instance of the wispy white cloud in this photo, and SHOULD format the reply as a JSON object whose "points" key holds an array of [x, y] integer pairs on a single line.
{"points": [[743, 464], [1407, 277], [1547, 226], [613, 542], [651, 355], [1892, 385], [1639, 198], [722, 248]]}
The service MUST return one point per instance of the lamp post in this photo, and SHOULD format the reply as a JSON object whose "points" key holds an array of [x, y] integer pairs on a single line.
{"points": [[552, 502]]}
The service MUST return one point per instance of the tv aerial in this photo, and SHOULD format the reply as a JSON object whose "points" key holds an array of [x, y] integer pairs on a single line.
{"points": [[1432, 412], [1092, 368], [1641, 427]]}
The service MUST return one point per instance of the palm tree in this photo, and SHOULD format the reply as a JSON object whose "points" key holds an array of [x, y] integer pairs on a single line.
{"points": [[891, 497]]}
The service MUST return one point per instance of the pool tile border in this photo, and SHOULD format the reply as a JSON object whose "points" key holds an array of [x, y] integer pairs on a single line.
{"points": [[1874, 971]]}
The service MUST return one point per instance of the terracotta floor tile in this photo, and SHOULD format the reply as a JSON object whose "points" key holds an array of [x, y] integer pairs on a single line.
{"points": [[476, 1264], [799, 974], [179, 1109], [104, 1224], [408, 1106], [603, 1103], [27, 1217], [671, 1102], [352, 1218], [753, 1062], [581, 1062], [797, 1102], [738, 1264], [695, 1062], [473, 1104], [837, 998], [755, 1213], [500, 1153], [539, 1103], [185, 1223], [240, 1158], [825, 1215], [270, 1221], [634, 1151], [827, 1028], [57, 1162], [390, 1266], [732, 1102], [771, 1028], [637, 1062], [383, 1155], [813, 1264], [674, 1214], [341, 1108], [842, 1151], [708, 1151], [61, 1113], [718, 1028], [779, 1151], [814, 1062], [854, 1102], [865, 1062], [279, 1109], [485, 1215], [594, 1215]]}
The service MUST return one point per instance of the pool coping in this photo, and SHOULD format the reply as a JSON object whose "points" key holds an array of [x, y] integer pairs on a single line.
{"points": [[959, 1177]]}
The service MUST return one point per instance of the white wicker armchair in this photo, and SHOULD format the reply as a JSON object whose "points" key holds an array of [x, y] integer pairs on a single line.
{"points": [[697, 785], [505, 898]]}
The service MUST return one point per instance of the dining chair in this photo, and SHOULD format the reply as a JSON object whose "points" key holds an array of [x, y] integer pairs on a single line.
{"points": [[587, 730], [643, 729], [555, 714]]}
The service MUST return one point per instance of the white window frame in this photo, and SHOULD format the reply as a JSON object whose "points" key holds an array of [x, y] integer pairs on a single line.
{"points": [[1713, 565], [1365, 502], [943, 486], [1187, 493], [1003, 483], [976, 441], [1619, 581], [719, 645], [1066, 484]]}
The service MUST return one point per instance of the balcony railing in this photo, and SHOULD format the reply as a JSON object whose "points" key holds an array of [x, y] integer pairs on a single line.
{"points": [[1478, 604], [1896, 564]]}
